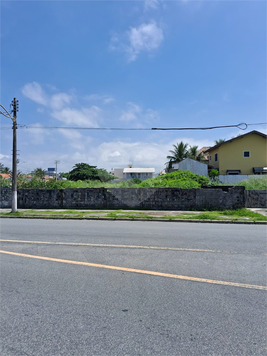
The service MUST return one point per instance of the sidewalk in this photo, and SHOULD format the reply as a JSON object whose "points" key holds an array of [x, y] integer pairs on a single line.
{"points": [[140, 215]]}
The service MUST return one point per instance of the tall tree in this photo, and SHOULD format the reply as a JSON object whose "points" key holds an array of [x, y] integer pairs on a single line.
{"points": [[193, 152], [179, 152]]}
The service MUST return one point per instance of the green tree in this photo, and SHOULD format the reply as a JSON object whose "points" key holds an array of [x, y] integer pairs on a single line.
{"points": [[214, 175], [83, 171], [193, 152], [179, 152], [4, 169], [39, 173], [220, 141]]}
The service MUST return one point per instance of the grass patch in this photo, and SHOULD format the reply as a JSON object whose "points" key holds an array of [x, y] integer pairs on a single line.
{"points": [[229, 215]]}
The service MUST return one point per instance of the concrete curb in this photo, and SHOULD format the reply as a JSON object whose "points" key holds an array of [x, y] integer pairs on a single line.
{"points": [[138, 219]]}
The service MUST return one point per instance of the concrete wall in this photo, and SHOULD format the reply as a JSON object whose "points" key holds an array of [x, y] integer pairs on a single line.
{"points": [[126, 198], [194, 166], [255, 198]]}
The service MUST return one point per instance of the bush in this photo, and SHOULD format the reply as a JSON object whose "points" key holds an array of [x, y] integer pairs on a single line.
{"points": [[255, 183], [179, 179]]}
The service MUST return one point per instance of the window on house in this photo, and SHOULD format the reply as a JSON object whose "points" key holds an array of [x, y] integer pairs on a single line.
{"points": [[246, 154], [216, 157], [210, 158]]}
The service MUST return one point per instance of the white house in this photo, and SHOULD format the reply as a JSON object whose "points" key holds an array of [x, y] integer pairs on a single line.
{"points": [[141, 173]]}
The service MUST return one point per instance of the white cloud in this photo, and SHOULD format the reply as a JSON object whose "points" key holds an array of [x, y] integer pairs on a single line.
{"points": [[59, 100], [106, 99], [4, 156], [34, 92], [135, 113], [132, 112], [75, 139], [151, 4], [84, 117], [147, 37], [115, 154], [36, 136]]}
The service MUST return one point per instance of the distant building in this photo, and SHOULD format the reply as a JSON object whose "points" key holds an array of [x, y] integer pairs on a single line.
{"points": [[6, 176], [117, 172], [141, 173], [51, 172], [193, 166], [130, 173]]}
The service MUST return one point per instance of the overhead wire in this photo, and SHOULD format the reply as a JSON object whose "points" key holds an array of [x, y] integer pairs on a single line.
{"points": [[241, 126]]}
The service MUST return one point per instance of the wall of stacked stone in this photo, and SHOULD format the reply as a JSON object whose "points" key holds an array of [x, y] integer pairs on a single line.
{"points": [[256, 198], [127, 198]]}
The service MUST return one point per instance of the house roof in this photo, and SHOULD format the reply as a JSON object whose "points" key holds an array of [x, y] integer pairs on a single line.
{"points": [[236, 138], [5, 175], [204, 151], [139, 170]]}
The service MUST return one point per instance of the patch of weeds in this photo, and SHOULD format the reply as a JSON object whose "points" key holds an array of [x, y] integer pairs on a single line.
{"points": [[243, 213], [18, 213]]}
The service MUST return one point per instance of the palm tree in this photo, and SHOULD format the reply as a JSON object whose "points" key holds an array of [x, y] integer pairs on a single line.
{"points": [[4, 169], [39, 173], [179, 152], [196, 154], [220, 141], [193, 152]]}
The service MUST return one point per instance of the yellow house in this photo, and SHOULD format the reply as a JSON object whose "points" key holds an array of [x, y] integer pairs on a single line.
{"points": [[244, 154]]}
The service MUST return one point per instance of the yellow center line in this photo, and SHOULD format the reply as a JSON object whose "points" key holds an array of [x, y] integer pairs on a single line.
{"points": [[129, 246], [125, 269]]}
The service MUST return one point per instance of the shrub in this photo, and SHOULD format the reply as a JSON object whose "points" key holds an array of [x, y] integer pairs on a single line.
{"points": [[179, 179], [255, 183]]}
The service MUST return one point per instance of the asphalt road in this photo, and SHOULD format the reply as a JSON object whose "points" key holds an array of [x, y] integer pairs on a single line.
{"points": [[113, 288]]}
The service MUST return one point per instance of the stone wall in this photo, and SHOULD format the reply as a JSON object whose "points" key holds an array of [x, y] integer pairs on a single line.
{"points": [[255, 198], [127, 198]]}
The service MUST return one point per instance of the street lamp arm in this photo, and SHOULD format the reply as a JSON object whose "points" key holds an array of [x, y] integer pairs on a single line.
{"points": [[8, 115]]}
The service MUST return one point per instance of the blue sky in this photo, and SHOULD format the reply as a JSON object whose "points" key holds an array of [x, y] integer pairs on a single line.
{"points": [[128, 64]]}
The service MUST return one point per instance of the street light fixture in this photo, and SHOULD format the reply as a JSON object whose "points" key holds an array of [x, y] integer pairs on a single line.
{"points": [[14, 104]]}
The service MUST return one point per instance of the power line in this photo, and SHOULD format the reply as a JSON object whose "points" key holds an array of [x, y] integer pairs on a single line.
{"points": [[241, 126]]}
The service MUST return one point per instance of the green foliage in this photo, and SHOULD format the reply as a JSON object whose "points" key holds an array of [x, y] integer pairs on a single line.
{"points": [[214, 175], [220, 141], [83, 171], [39, 173], [255, 183], [179, 179], [179, 153], [4, 169], [5, 182]]}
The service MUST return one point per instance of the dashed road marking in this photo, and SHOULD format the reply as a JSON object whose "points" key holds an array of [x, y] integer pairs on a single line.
{"points": [[131, 247]]}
